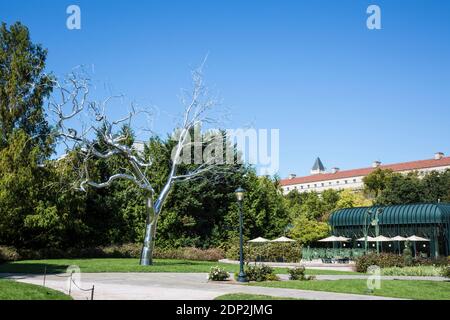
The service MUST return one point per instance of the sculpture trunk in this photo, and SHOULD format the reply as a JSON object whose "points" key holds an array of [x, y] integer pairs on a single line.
{"points": [[150, 233]]}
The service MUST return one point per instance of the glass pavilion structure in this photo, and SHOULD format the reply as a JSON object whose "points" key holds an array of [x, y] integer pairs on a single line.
{"points": [[431, 221]]}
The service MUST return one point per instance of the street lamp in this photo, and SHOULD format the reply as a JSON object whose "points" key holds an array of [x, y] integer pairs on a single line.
{"points": [[240, 196]]}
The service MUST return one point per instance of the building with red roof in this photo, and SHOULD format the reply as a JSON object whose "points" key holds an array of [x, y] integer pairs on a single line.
{"points": [[320, 179]]}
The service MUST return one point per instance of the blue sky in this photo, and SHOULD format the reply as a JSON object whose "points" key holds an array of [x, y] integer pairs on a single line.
{"points": [[309, 68]]}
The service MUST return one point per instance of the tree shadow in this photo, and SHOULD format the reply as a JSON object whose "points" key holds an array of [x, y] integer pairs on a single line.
{"points": [[32, 268]]}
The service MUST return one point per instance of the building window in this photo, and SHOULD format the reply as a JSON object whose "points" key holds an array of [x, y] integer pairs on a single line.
{"points": [[308, 186], [301, 187], [323, 184], [346, 181], [354, 180], [329, 183], [337, 182], [315, 185]]}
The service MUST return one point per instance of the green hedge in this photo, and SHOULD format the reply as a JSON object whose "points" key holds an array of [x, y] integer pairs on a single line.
{"points": [[389, 260], [267, 252], [131, 250], [382, 260], [330, 253]]}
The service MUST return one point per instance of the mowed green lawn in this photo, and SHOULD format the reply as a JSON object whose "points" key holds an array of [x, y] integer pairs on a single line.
{"points": [[128, 265], [408, 289], [12, 290], [246, 296]]}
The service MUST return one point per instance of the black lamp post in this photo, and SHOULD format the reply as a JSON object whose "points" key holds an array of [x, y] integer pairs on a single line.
{"points": [[240, 196]]}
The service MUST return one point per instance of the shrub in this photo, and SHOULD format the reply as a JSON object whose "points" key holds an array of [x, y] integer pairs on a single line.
{"points": [[267, 252], [260, 273], [130, 250], [445, 272], [382, 260], [212, 254], [424, 271], [218, 274], [8, 254], [440, 261], [297, 273]]}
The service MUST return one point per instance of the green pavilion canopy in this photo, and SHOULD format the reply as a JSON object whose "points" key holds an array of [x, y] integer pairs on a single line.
{"points": [[430, 221]]}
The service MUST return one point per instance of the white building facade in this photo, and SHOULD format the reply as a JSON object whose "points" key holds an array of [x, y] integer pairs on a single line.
{"points": [[321, 180]]}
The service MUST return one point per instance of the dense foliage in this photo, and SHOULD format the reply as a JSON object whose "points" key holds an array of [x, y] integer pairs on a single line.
{"points": [[391, 188], [260, 273], [40, 208]]}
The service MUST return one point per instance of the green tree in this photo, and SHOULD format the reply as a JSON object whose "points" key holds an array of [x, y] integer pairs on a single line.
{"points": [[436, 186], [306, 230], [24, 85], [25, 209], [376, 181], [401, 189], [352, 199], [264, 209]]}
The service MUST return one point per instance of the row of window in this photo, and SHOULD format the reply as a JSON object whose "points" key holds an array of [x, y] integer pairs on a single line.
{"points": [[315, 185]]}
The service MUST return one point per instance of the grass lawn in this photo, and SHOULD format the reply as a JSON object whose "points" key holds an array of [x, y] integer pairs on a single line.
{"points": [[128, 265], [421, 290], [245, 296], [12, 290]]}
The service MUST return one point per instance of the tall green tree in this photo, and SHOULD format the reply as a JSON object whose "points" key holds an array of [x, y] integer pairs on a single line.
{"points": [[376, 181], [24, 86], [24, 141]]}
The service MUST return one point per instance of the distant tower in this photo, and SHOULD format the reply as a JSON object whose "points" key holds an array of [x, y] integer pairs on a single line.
{"points": [[318, 167]]}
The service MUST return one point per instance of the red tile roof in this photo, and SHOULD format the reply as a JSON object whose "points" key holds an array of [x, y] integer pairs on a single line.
{"points": [[404, 166]]}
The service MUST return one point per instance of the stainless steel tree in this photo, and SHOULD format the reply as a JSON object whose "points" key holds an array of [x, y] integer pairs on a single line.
{"points": [[79, 122]]}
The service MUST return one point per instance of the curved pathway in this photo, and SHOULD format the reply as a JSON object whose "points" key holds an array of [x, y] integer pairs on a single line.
{"points": [[170, 286]]}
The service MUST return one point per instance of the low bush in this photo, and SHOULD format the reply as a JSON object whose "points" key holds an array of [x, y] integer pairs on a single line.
{"points": [[212, 254], [218, 274], [260, 273], [440, 261], [423, 271], [130, 250], [382, 260], [267, 252], [297, 273], [446, 272], [8, 254]]}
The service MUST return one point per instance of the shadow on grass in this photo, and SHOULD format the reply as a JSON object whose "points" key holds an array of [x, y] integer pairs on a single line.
{"points": [[32, 268]]}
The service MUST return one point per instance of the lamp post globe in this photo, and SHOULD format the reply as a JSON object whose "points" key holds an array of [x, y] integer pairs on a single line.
{"points": [[240, 197]]}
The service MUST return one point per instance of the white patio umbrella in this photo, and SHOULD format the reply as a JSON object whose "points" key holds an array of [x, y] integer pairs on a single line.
{"points": [[259, 240], [416, 238], [369, 238], [381, 239], [398, 239], [344, 239], [330, 239], [283, 239]]}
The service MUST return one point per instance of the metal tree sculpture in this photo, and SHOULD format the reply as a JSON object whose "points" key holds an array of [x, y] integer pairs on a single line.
{"points": [[72, 101]]}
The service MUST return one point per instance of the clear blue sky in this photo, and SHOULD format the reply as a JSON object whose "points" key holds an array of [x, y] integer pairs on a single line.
{"points": [[310, 68]]}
